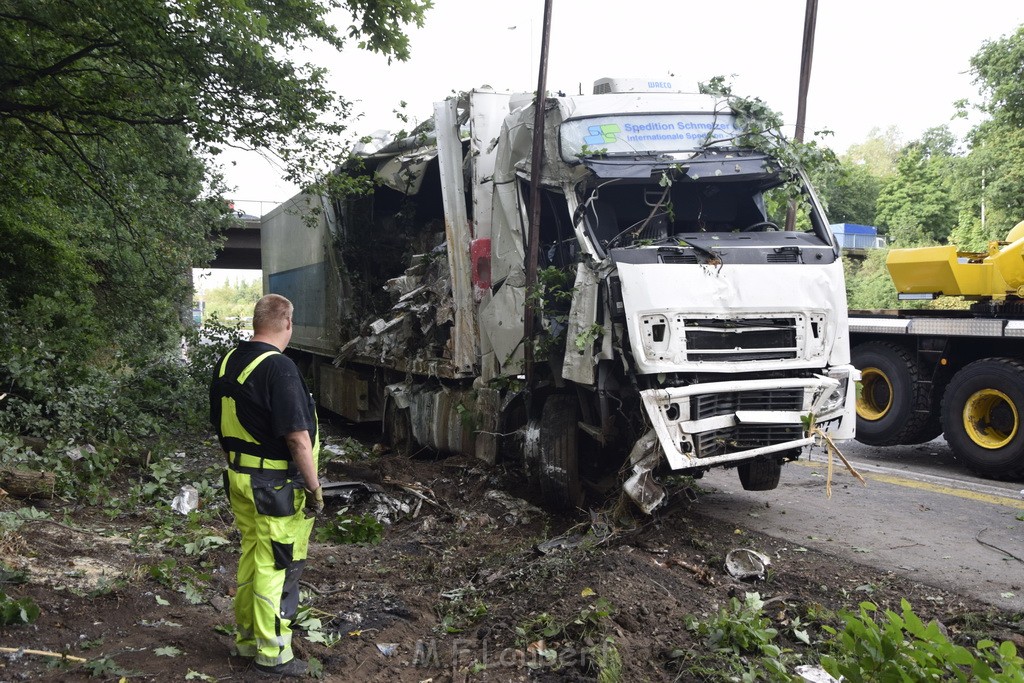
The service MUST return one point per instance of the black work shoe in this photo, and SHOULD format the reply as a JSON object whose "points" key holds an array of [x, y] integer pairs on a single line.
{"points": [[293, 668]]}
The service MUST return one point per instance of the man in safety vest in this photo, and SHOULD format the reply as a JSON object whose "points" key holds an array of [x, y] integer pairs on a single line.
{"points": [[266, 422]]}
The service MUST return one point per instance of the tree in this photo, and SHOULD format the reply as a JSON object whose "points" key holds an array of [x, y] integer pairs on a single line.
{"points": [[879, 153], [991, 184], [109, 113], [915, 207], [849, 192]]}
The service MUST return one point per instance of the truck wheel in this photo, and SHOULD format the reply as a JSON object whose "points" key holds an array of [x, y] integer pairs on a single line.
{"points": [[982, 412], [760, 474], [398, 429], [892, 408], [559, 457]]}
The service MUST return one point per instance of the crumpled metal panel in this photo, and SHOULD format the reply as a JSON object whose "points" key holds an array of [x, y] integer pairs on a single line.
{"points": [[669, 413], [456, 224], [405, 173], [578, 364], [816, 293], [501, 319], [487, 111]]}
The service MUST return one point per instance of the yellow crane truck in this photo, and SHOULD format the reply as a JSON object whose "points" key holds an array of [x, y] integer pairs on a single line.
{"points": [[954, 372]]}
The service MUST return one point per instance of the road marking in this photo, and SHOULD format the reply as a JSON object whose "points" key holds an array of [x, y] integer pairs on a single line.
{"points": [[993, 499]]}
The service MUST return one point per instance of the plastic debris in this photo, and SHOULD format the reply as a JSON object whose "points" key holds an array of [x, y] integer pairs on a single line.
{"points": [[387, 649], [743, 563], [187, 500], [815, 674], [76, 453], [388, 509]]}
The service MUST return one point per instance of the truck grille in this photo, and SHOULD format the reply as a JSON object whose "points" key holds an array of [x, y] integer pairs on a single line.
{"points": [[677, 257], [712, 405], [741, 339], [742, 438]]}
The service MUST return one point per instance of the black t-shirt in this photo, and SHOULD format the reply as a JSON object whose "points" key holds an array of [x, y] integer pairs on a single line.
{"points": [[274, 400]]}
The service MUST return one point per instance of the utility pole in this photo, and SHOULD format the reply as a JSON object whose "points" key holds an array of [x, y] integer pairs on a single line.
{"points": [[806, 56], [533, 248]]}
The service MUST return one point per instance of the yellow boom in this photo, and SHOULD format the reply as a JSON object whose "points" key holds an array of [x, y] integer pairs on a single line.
{"points": [[944, 270]]}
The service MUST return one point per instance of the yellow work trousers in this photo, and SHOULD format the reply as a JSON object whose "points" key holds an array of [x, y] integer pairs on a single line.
{"points": [[268, 511]]}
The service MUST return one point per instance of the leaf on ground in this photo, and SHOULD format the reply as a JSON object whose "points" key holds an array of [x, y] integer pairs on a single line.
{"points": [[161, 601], [169, 651]]}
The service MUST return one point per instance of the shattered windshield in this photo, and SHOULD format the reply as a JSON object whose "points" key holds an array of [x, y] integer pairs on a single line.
{"points": [[716, 199]]}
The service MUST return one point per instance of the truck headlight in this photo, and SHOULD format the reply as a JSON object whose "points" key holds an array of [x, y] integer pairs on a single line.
{"points": [[837, 397]]}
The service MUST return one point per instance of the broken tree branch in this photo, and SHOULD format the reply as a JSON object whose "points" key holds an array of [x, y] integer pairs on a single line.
{"points": [[42, 653], [27, 483]]}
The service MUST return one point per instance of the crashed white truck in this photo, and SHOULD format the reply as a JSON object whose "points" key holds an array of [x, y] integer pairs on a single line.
{"points": [[678, 327]]}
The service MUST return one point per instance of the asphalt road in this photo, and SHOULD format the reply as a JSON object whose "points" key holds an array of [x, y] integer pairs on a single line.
{"points": [[921, 515]]}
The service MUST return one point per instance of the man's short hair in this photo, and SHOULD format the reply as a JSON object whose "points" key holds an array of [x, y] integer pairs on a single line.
{"points": [[271, 314]]}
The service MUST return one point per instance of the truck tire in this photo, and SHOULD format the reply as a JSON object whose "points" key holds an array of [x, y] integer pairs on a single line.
{"points": [[892, 408], [398, 429], [760, 474], [559, 456], [982, 414]]}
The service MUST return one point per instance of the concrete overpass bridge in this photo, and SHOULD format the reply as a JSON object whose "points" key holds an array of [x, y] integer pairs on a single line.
{"points": [[242, 248]]}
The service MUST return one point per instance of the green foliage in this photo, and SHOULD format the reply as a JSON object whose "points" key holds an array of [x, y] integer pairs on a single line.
{"points": [[103, 667], [763, 132], [878, 154], [552, 298], [344, 528], [583, 632], [890, 646], [111, 115], [461, 609], [744, 641], [849, 192], [233, 301], [17, 611], [916, 206], [868, 285], [739, 628], [54, 393], [11, 520], [306, 619]]}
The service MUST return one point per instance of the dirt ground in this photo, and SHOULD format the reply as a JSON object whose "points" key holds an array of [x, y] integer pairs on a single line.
{"points": [[471, 582]]}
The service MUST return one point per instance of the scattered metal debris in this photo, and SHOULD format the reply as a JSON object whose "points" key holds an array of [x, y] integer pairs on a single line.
{"points": [[743, 563], [517, 510]]}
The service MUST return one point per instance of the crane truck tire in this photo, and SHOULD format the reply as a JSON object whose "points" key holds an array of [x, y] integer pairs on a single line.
{"points": [[559, 455], [892, 408], [982, 414]]}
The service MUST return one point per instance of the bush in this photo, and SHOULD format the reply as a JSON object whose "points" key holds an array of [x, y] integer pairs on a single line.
{"points": [[901, 647]]}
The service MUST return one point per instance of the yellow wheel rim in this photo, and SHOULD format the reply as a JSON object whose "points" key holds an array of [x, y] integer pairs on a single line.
{"points": [[990, 418], [874, 394]]}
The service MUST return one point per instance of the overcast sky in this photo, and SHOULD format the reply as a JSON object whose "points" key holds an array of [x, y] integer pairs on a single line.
{"points": [[876, 63]]}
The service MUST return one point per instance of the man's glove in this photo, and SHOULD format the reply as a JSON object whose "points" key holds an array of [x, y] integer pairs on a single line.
{"points": [[315, 500]]}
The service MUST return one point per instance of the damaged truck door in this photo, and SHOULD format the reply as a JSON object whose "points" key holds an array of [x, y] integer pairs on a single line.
{"points": [[679, 327]]}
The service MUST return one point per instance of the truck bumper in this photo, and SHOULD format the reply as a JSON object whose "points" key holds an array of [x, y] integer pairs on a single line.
{"points": [[710, 424]]}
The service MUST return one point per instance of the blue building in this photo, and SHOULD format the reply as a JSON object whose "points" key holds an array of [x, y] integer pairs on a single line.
{"points": [[854, 236]]}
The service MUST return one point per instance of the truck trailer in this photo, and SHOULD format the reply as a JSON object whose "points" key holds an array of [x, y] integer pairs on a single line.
{"points": [[678, 328], [960, 373]]}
